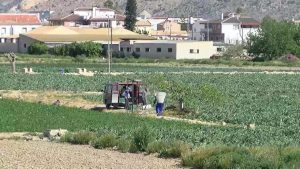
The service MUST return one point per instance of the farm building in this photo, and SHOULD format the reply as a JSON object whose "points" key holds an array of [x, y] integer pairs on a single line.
{"points": [[13, 24], [59, 35], [169, 49]]}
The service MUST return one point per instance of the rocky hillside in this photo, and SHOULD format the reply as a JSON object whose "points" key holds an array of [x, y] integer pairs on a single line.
{"points": [[281, 9]]}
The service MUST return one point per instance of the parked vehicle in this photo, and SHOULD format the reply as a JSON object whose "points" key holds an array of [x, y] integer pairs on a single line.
{"points": [[123, 94]]}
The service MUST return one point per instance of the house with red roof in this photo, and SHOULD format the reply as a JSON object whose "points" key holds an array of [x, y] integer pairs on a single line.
{"points": [[13, 24]]}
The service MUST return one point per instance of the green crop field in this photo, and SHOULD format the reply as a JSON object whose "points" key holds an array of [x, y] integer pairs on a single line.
{"points": [[270, 100], [19, 116]]}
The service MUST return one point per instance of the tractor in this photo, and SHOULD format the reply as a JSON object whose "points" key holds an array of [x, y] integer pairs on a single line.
{"points": [[123, 94]]}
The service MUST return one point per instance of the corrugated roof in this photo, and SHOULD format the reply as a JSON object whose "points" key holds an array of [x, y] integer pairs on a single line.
{"points": [[75, 34], [19, 19]]}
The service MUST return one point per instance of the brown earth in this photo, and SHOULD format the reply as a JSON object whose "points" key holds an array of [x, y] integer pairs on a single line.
{"points": [[40, 154]]}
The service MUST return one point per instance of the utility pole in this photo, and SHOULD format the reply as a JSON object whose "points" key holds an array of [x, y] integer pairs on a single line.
{"points": [[207, 30], [170, 30], [108, 44]]}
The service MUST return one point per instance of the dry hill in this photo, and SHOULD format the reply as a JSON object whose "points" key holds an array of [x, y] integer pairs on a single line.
{"points": [[281, 9]]}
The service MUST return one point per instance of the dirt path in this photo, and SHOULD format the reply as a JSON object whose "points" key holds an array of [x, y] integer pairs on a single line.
{"points": [[39, 154], [68, 99]]}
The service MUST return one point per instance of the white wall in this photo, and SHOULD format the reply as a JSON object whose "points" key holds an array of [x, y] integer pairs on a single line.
{"points": [[86, 14], [7, 30], [104, 14], [153, 53], [171, 50], [234, 34], [201, 50]]}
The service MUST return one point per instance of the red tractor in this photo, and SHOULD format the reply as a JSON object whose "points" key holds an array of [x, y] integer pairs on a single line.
{"points": [[123, 94]]}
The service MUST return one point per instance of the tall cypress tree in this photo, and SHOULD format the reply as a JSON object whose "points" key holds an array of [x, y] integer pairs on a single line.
{"points": [[130, 13]]}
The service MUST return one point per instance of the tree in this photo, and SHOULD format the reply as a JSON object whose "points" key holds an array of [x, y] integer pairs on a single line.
{"points": [[12, 57], [109, 4], [274, 39], [239, 10], [131, 14]]}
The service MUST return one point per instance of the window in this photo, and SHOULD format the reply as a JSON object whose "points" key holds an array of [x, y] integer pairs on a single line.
{"points": [[24, 30], [170, 50], [219, 49], [198, 51], [147, 50], [158, 49], [137, 49], [3, 31], [121, 49], [128, 49], [191, 50], [25, 46]]}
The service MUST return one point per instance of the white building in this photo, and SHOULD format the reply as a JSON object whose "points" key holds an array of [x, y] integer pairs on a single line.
{"points": [[236, 29], [93, 16], [166, 49], [232, 29], [16, 23], [13, 24]]}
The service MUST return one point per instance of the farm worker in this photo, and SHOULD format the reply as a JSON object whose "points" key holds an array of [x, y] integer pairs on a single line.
{"points": [[126, 94], [160, 99], [144, 97], [62, 71]]}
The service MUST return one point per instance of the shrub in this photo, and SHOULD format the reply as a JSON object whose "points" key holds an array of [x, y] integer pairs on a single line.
{"points": [[89, 49], [136, 55], [236, 51], [68, 137], [198, 158], [105, 141], [156, 147], [141, 138], [133, 148], [175, 150], [291, 157], [123, 145], [81, 137], [37, 48]]}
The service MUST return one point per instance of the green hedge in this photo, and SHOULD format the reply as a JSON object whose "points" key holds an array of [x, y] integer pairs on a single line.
{"points": [[37, 48], [88, 49]]}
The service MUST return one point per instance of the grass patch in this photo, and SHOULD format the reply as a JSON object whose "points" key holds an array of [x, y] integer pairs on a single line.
{"points": [[124, 144], [175, 149], [81, 137], [105, 141]]}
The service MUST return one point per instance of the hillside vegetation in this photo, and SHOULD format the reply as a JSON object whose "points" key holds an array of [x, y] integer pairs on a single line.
{"points": [[280, 9]]}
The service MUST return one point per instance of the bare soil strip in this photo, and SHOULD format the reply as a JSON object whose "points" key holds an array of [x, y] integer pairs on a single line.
{"points": [[48, 155]]}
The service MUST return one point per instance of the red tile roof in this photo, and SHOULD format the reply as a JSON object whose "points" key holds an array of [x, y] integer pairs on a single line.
{"points": [[19, 19]]}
